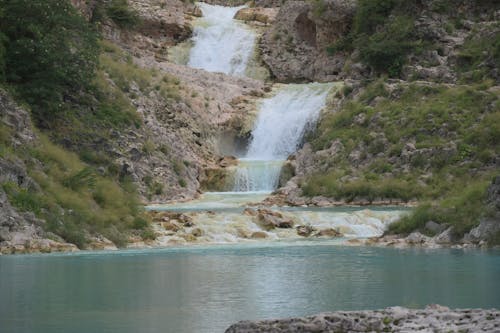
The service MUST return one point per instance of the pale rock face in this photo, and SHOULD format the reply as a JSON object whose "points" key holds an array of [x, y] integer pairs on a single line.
{"points": [[434, 318], [294, 48]]}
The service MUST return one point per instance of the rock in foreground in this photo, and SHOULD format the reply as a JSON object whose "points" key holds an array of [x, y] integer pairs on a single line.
{"points": [[433, 318]]}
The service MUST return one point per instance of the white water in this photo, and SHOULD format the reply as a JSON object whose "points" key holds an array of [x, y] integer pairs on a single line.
{"points": [[280, 126], [221, 44]]}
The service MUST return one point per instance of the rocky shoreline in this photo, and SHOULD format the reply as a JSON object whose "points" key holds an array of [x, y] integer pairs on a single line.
{"points": [[434, 318]]}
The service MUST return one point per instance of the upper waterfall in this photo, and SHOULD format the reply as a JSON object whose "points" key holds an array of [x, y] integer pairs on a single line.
{"points": [[221, 44]]}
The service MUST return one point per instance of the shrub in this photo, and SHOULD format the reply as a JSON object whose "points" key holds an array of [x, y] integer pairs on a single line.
{"points": [[120, 12], [50, 52], [386, 50]]}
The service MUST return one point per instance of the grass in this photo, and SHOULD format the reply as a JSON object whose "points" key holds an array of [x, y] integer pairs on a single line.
{"points": [[74, 200], [462, 209], [120, 12], [456, 135]]}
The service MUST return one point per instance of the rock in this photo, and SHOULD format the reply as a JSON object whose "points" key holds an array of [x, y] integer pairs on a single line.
{"points": [[100, 242], [396, 319], [320, 201], [165, 22], [250, 212], [195, 11], [434, 227], [294, 48], [485, 229], [197, 232], [257, 14], [416, 238], [227, 161], [270, 220], [445, 238], [171, 226], [259, 235], [305, 230], [328, 232]]}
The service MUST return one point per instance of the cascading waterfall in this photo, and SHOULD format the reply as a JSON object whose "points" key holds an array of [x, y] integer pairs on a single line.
{"points": [[221, 44], [280, 126]]}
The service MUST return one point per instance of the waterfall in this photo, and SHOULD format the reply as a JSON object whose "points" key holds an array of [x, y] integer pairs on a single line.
{"points": [[280, 126], [221, 44]]}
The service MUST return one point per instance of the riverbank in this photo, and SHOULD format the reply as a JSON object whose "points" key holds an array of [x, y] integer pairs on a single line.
{"points": [[434, 318]]}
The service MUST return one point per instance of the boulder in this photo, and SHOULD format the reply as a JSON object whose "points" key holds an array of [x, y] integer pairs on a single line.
{"points": [[305, 230], [328, 232], [269, 219], [485, 229], [259, 235], [257, 14], [416, 238], [434, 228]]}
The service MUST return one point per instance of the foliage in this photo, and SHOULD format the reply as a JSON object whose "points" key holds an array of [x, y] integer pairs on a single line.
{"points": [[479, 55], [370, 14], [120, 12], [383, 32], [386, 50], [74, 200], [462, 209], [455, 131], [50, 52]]}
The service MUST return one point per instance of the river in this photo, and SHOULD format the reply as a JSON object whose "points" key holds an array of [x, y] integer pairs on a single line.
{"points": [[205, 289]]}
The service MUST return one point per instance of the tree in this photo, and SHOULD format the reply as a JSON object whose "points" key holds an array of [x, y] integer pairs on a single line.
{"points": [[50, 52]]}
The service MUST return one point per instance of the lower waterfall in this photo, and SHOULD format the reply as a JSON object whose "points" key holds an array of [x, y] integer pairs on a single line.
{"points": [[282, 121]]}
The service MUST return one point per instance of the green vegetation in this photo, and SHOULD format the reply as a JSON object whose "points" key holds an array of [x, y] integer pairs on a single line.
{"points": [[49, 53], [80, 90], [74, 200], [462, 209], [120, 12], [479, 55], [434, 144]]}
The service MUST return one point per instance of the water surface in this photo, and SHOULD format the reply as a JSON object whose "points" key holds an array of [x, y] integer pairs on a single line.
{"points": [[205, 289]]}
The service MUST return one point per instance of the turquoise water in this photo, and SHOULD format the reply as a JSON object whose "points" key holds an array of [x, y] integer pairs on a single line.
{"points": [[205, 289]]}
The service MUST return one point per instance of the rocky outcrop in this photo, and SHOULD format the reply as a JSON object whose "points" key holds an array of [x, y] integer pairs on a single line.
{"points": [[433, 318], [295, 47], [269, 219], [163, 22], [257, 14]]}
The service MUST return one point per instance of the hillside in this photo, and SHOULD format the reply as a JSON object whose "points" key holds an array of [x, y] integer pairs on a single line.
{"points": [[98, 117]]}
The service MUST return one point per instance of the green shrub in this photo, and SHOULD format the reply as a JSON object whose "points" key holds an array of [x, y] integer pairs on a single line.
{"points": [[462, 209], [120, 12], [386, 50], [370, 14], [50, 52]]}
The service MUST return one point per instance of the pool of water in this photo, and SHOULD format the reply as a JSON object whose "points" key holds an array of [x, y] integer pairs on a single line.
{"points": [[205, 289]]}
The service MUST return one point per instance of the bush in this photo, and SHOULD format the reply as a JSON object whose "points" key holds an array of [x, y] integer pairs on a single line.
{"points": [[386, 50], [462, 209], [50, 52], [370, 14], [120, 12]]}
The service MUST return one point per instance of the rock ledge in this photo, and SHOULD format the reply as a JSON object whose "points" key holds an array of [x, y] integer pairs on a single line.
{"points": [[433, 318]]}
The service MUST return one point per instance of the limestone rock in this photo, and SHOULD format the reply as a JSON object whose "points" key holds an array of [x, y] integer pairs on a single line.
{"points": [[269, 219], [328, 232], [305, 230], [259, 235], [294, 47], [258, 14], [396, 319]]}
